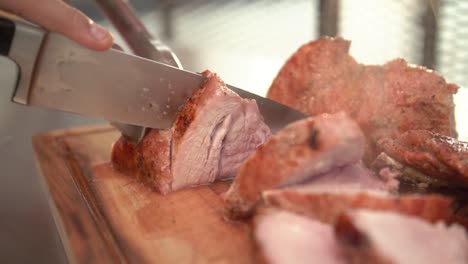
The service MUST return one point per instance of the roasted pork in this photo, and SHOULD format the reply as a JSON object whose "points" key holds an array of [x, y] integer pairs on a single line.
{"points": [[386, 101], [351, 178], [303, 150], [214, 133]]}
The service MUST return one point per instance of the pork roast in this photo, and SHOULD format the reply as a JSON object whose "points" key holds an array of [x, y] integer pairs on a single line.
{"points": [[303, 150], [392, 238], [386, 101], [213, 134]]}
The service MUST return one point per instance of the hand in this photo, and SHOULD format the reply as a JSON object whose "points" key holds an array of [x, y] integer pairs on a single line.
{"points": [[57, 16]]}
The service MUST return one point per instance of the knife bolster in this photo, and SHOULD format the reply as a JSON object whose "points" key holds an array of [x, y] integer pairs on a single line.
{"points": [[24, 51]]}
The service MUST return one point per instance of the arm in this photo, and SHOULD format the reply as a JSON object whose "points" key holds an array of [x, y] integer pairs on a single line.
{"points": [[56, 15]]}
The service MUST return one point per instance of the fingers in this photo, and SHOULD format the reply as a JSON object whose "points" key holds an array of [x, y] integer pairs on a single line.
{"points": [[56, 15]]}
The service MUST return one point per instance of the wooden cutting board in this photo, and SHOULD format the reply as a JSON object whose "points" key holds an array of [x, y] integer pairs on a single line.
{"points": [[106, 217]]}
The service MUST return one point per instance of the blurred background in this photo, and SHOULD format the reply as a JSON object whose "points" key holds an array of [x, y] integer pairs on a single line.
{"points": [[245, 42]]}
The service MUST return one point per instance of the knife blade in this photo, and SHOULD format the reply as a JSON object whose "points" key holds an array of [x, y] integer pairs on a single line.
{"points": [[113, 85]]}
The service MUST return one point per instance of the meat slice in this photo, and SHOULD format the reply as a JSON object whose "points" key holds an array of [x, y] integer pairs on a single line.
{"points": [[327, 206], [297, 153], [213, 134], [351, 178], [444, 160], [388, 237], [283, 237], [387, 100]]}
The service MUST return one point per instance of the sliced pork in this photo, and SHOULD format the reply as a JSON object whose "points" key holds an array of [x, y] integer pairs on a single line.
{"points": [[284, 237], [442, 160], [301, 151], [351, 178], [321, 77], [387, 237], [327, 206], [214, 133]]}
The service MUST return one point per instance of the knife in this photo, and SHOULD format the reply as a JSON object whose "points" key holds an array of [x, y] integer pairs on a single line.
{"points": [[56, 73]]}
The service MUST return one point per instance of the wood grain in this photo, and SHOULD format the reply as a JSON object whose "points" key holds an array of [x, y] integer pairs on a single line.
{"points": [[82, 240], [104, 216]]}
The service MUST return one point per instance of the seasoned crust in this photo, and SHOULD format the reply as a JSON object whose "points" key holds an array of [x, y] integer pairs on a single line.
{"points": [[155, 153], [189, 111], [148, 160], [290, 84], [185, 117], [124, 156]]}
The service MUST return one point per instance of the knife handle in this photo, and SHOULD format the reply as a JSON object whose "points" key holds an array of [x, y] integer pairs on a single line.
{"points": [[7, 31], [21, 42]]}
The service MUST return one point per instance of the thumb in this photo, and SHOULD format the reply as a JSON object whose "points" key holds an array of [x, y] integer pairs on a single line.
{"points": [[57, 16]]}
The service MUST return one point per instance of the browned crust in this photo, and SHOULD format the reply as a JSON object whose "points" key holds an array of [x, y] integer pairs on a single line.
{"points": [[328, 206], [124, 156], [155, 159], [146, 160], [187, 114], [288, 87]]}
